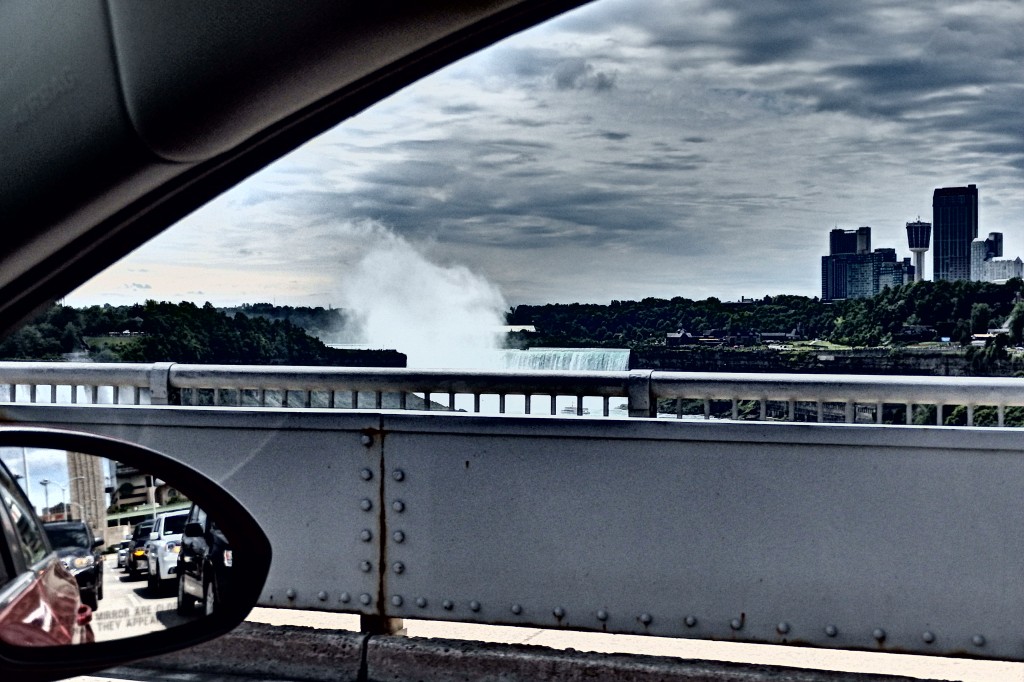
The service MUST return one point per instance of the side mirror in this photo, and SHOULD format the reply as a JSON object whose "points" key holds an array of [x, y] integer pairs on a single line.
{"points": [[193, 530], [100, 615], [154, 536]]}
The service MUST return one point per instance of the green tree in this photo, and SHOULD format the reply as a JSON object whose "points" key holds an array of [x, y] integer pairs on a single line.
{"points": [[981, 316], [1016, 323]]}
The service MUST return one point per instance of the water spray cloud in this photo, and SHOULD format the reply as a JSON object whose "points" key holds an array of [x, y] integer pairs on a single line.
{"points": [[438, 315]]}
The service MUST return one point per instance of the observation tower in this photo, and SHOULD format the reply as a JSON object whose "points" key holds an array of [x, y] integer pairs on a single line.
{"points": [[919, 235]]}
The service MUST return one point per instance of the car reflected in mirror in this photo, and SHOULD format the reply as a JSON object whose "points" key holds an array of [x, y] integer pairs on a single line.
{"points": [[103, 541], [78, 551], [205, 565]]}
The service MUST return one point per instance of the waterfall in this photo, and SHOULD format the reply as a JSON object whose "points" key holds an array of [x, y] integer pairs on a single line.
{"points": [[566, 359]]}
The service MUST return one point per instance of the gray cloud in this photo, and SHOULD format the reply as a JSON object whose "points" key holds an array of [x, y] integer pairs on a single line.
{"points": [[456, 109], [716, 142], [577, 74]]}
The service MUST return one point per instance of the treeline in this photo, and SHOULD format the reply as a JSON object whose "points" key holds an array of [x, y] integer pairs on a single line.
{"points": [[917, 311], [636, 324], [323, 323], [953, 309], [178, 332]]}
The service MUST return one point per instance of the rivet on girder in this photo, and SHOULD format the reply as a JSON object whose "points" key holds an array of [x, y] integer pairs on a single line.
{"points": [[398, 475], [396, 600], [366, 440], [646, 618], [398, 506], [365, 567], [365, 599], [559, 612], [782, 628], [398, 567], [878, 634], [290, 593], [321, 595], [690, 621], [447, 605], [345, 597], [831, 630], [517, 609], [366, 475], [398, 536], [421, 602], [602, 615], [366, 504], [366, 535], [474, 606], [978, 640], [736, 624], [928, 637]]}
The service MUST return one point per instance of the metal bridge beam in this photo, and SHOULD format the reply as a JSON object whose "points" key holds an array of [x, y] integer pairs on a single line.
{"points": [[840, 536]]}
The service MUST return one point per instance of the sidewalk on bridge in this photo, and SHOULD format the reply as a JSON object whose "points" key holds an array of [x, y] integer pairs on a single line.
{"points": [[922, 667]]}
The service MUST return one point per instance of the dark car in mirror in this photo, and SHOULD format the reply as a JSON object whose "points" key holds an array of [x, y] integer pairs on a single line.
{"points": [[78, 550], [205, 564], [136, 559], [51, 569]]}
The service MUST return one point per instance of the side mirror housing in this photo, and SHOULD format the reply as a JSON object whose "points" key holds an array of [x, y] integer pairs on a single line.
{"points": [[193, 530], [31, 651]]}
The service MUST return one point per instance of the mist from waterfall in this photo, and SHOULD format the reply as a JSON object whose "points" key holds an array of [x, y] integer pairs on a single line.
{"points": [[440, 316]]}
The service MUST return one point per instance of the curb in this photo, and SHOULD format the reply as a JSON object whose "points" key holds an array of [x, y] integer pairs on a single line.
{"points": [[395, 659], [306, 654]]}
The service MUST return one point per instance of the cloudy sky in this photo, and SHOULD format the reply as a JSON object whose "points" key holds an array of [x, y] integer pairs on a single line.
{"points": [[630, 149], [43, 465]]}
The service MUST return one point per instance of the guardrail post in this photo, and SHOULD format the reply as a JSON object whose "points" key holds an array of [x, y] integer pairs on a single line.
{"points": [[160, 383], [639, 400]]}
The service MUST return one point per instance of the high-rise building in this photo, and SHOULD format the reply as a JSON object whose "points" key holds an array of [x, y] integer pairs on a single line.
{"points": [[955, 226], [852, 270], [887, 271], [986, 267], [919, 236], [88, 497], [849, 241]]}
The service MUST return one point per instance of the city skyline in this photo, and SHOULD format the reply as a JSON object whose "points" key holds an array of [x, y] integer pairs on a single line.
{"points": [[852, 270], [628, 150]]}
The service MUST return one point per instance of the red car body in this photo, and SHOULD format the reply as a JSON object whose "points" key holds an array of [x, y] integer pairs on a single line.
{"points": [[46, 610], [40, 603]]}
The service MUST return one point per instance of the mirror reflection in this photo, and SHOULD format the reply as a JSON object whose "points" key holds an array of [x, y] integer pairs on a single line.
{"points": [[95, 550]]}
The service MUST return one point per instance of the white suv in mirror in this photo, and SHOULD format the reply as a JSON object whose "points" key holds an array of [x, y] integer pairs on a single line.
{"points": [[163, 547]]}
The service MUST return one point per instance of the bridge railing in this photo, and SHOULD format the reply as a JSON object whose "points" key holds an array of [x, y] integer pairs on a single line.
{"points": [[636, 393], [833, 535]]}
